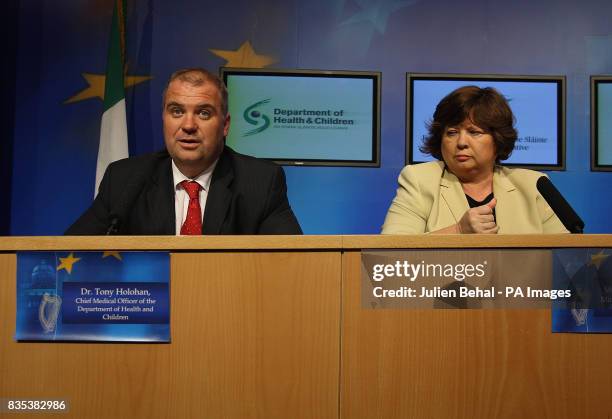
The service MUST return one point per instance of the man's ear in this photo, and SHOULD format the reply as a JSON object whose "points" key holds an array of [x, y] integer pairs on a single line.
{"points": [[226, 125]]}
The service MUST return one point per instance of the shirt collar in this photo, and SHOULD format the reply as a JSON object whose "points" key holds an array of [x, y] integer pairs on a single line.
{"points": [[203, 178]]}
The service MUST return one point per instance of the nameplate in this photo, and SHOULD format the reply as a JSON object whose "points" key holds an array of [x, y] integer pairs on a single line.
{"points": [[588, 273], [93, 296]]}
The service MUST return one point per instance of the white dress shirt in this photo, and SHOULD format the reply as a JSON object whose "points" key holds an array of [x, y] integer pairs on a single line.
{"points": [[181, 198]]}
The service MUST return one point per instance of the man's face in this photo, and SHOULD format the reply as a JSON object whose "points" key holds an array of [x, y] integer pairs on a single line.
{"points": [[194, 125]]}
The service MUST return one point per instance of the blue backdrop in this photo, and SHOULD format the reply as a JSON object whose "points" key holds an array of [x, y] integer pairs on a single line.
{"points": [[61, 54]]}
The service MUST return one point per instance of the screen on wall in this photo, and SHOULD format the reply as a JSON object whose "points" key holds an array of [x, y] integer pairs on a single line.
{"points": [[601, 123], [537, 102], [305, 117]]}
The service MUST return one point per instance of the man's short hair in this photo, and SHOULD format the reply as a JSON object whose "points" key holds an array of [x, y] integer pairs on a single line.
{"points": [[197, 77]]}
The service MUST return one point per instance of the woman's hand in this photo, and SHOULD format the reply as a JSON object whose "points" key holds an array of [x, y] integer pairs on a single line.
{"points": [[479, 220]]}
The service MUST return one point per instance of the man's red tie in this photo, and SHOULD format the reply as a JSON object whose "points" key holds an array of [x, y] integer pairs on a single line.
{"points": [[193, 222]]}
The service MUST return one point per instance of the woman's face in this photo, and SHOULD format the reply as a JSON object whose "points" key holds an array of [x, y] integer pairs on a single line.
{"points": [[468, 151]]}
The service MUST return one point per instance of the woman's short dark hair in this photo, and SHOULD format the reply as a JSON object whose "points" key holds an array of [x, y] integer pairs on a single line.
{"points": [[486, 108]]}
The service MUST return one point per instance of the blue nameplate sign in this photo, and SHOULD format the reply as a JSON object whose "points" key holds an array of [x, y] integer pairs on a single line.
{"points": [[588, 273], [93, 296]]}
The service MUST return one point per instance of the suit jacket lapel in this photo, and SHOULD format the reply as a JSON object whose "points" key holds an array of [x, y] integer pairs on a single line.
{"points": [[502, 189], [452, 193], [160, 199], [219, 196]]}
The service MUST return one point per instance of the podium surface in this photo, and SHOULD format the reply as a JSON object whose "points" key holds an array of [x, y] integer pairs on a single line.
{"points": [[272, 327]]}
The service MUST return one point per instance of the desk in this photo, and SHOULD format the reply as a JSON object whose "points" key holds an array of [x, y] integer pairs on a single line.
{"points": [[272, 327]]}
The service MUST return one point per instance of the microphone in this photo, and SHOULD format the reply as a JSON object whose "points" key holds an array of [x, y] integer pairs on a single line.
{"points": [[560, 206], [113, 227]]}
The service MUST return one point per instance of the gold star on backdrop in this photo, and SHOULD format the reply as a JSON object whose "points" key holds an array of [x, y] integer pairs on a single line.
{"points": [[597, 259], [96, 86], [67, 262], [245, 57], [116, 255]]}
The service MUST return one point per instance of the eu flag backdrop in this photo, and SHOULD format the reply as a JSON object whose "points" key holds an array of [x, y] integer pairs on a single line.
{"points": [[61, 58]]}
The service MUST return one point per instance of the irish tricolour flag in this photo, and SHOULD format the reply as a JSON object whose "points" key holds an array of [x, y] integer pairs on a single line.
{"points": [[113, 131]]}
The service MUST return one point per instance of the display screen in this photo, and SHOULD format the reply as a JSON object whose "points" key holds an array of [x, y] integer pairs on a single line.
{"points": [[601, 125], [537, 103], [305, 117]]}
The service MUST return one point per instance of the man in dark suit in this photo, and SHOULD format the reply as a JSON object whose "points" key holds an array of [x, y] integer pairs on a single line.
{"points": [[197, 185]]}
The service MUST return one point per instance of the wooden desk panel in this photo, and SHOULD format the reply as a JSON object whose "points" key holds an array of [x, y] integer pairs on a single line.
{"points": [[254, 335], [466, 363], [265, 341]]}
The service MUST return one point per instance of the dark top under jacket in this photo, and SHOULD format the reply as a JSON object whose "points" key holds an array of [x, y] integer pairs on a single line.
{"points": [[136, 197], [473, 203]]}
